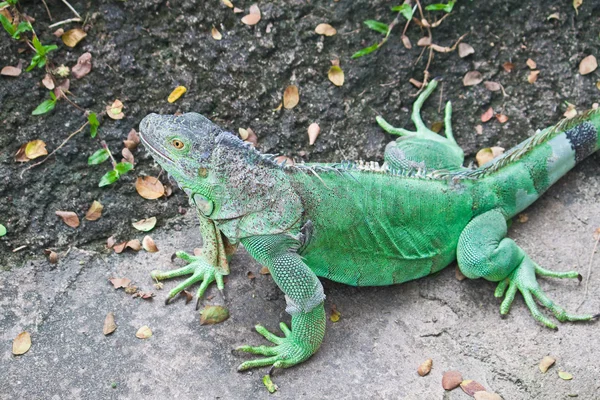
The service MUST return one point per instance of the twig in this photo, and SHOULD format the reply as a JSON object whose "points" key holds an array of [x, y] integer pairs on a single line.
{"points": [[441, 98], [55, 150], [72, 9], [112, 159], [66, 21], [589, 273], [64, 96], [47, 9]]}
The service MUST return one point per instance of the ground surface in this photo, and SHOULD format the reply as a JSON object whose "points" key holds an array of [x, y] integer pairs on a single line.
{"points": [[141, 51]]}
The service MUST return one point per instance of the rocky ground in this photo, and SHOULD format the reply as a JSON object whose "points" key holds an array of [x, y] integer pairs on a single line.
{"points": [[141, 51]]}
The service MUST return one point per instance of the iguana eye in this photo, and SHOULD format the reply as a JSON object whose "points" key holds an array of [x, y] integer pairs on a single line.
{"points": [[178, 144]]}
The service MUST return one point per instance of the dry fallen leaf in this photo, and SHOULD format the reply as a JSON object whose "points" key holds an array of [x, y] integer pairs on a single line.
{"points": [[553, 16], [211, 315], [546, 363], [127, 155], [488, 154], [21, 344], [460, 277], [144, 332], [336, 75], [110, 242], [253, 17], [11, 71], [571, 112], [118, 248], [176, 93], [325, 29], [237, 10], [48, 82], [94, 212], [576, 5], [83, 66], [250, 275], [120, 282], [62, 88], [145, 224], [472, 78], [149, 245], [291, 97], [424, 41], [437, 126], [522, 218], [59, 32], [109, 324], [406, 42], [73, 36], [69, 218], [588, 65], [531, 64], [313, 132], [492, 86], [565, 375], [35, 149], [335, 314], [470, 387], [227, 3], [451, 380], [533, 76], [501, 118], [264, 271], [214, 32], [415, 83], [486, 396], [188, 296], [486, 116], [425, 368], [149, 187], [508, 66], [134, 245], [52, 256], [479, 129], [465, 49], [115, 110]]}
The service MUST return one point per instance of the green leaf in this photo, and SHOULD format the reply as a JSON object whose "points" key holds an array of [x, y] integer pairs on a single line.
{"points": [[39, 49], [98, 157], [2, 230], [46, 106], [405, 9], [365, 51], [49, 48], [110, 177], [94, 124], [21, 28], [377, 26], [441, 7], [123, 167], [52, 96], [3, 4], [8, 26]]}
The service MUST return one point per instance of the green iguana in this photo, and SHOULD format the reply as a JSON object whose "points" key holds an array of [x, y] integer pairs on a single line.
{"points": [[363, 224]]}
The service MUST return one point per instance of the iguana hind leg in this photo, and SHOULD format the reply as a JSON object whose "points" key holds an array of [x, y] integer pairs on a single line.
{"points": [[484, 251], [423, 148]]}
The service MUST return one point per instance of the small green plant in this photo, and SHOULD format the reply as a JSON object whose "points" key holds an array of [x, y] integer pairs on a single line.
{"points": [[8, 3], [2, 230], [46, 105], [442, 7], [41, 52], [15, 31]]}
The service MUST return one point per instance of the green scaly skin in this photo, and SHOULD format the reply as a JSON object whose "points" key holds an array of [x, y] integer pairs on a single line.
{"points": [[363, 224]]}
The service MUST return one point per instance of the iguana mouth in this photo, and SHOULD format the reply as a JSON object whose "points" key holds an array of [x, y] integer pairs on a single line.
{"points": [[154, 149]]}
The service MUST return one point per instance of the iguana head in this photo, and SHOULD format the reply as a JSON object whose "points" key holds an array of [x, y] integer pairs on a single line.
{"points": [[226, 178]]}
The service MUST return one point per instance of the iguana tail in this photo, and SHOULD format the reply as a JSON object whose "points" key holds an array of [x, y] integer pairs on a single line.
{"points": [[522, 174]]}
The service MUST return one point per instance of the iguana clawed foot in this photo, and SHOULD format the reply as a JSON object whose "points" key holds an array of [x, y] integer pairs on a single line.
{"points": [[523, 279], [199, 268], [288, 351]]}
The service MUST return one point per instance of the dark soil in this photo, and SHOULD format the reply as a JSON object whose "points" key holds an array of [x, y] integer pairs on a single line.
{"points": [[143, 49]]}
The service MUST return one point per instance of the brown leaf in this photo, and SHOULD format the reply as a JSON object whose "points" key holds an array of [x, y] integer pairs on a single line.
{"points": [[83, 66], [95, 211], [134, 245], [144, 332], [336, 75], [459, 276], [237, 10], [486, 116], [325, 29], [406, 42], [571, 112], [52, 256], [291, 97], [522, 218], [213, 315], [415, 83], [313, 132], [465, 49], [425, 368], [254, 17], [149, 245], [508, 66], [501, 118], [21, 344], [531, 64], [188, 296], [118, 248], [470, 387], [120, 282], [145, 224], [264, 271], [588, 65], [451, 380], [109, 324], [127, 154], [143, 295], [59, 32], [131, 289], [48, 82], [73, 36], [533, 76], [149, 187], [11, 71], [437, 126], [62, 88], [250, 275], [110, 242], [492, 86], [69, 218], [472, 78], [20, 154], [546, 363], [115, 110], [486, 396], [214, 32], [424, 41], [488, 154], [134, 137], [35, 149]]}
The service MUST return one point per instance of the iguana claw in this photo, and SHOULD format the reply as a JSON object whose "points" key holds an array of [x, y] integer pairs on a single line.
{"points": [[200, 270]]}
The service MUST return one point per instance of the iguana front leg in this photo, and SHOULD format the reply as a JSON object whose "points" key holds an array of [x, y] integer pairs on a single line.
{"points": [[210, 265], [484, 251], [304, 297]]}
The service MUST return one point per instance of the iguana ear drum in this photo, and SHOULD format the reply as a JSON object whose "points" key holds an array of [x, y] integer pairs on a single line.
{"points": [[202, 172]]}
